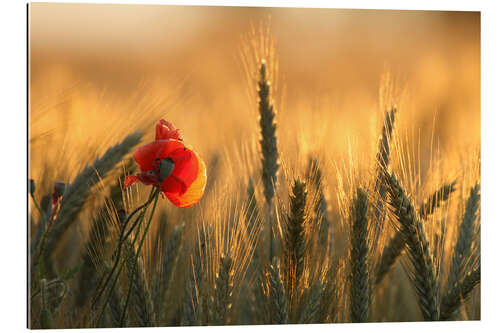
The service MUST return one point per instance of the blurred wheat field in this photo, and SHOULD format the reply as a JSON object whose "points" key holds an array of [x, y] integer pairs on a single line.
{"points": [[340, 81]]}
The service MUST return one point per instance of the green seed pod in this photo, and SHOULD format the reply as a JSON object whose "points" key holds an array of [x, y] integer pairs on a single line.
{"points": [[166, 168], [59, 188], [32, 186]]}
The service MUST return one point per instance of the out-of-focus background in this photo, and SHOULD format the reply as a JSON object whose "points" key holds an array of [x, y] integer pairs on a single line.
{"points": [[98, 72]]}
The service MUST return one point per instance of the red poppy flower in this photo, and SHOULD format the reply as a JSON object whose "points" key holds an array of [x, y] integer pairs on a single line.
{"points": [[167, 162]]}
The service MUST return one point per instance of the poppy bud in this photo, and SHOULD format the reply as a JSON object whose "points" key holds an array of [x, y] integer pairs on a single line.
{"points": [[32, 186], [166, 168], [59, 188]]}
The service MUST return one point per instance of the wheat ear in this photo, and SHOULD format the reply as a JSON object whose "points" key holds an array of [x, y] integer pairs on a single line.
{"points": [[224, 290], [98, 235], [268, 142], [141, 296], [465, 238], [436, 199], [458, 293], [312, 310], [169, 259], [410, 225], [295, 241], [396, 244], [77, 193], [359, 277], [320, 206], [269, 147], [192, 306], [383, 158], [277, 294]]}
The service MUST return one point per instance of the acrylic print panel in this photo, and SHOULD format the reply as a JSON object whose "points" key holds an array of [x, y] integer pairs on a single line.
{"points": [[237, 165]]}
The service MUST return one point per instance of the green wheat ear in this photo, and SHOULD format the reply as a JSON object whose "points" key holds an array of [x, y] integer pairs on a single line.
{"points": [[224, 290], [458, 293], [79, 190], [277, 294], [465, 238], [461, 278], [359, 276], [169, 260], [423, 273], [295, 240], [268, 144], [99, 237], [320, 206], [397, 243], [383, 160], [141, 296]]}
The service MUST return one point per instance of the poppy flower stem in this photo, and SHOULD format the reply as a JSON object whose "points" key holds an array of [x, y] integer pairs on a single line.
{"points": [[37, 206], [123, 236], [133, 275], [138, 221]]}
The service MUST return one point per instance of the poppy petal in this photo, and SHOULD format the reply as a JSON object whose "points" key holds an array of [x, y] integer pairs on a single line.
{"points": [[186, 166], [130, 180], [143, 177], [195, 191], [173, 185], [146, 155]]}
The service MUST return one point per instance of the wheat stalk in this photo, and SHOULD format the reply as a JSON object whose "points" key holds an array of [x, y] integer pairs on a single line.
{"points": [[116, 307], [42, 224], [45, 315], [389, 256], [331, 289], [115, 301]]}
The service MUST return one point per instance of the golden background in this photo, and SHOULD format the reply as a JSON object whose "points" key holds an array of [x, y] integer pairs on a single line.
{"points": [[98, 72]]}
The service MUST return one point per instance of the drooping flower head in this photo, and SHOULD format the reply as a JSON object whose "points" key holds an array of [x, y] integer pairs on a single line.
{"points": [[169, 163]]}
